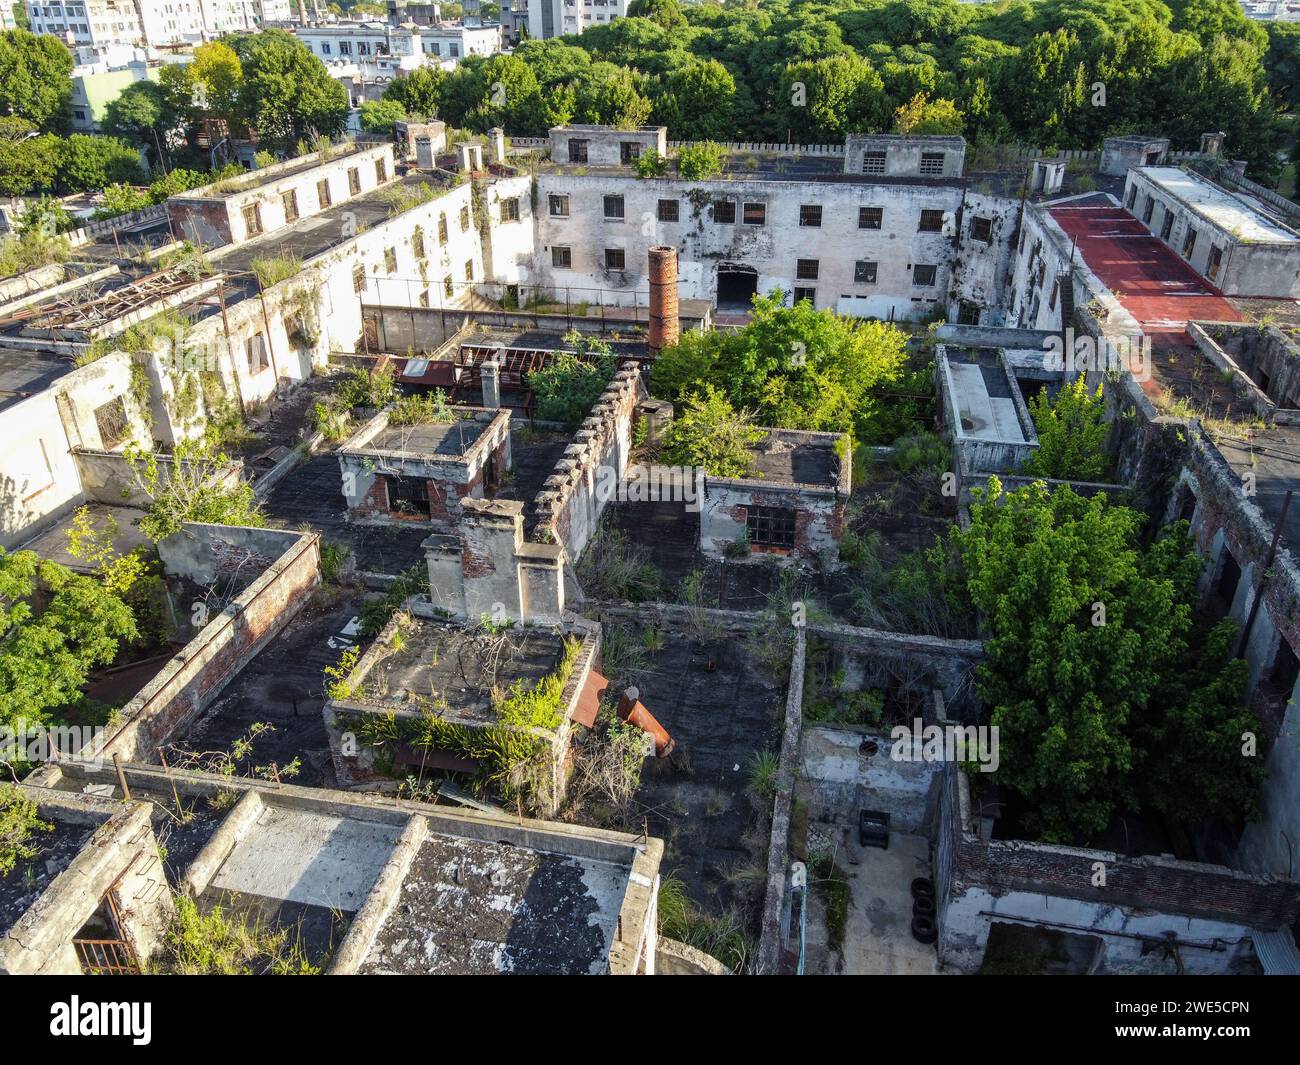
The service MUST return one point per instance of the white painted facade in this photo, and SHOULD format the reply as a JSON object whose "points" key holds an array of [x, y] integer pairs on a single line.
{"points": [[561, 18]]}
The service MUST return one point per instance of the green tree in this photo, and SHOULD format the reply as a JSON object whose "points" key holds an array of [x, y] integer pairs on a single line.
{"points": [[286, 93], [121, 199], [55, 626], [142, 114], [192, 487], [825, 99], [28, 159], [709, 432], [1090, 662], [1072, 433], [702, 161], [418, 91], [35, 78], [795, 367], [89, 163], [568, 386], [378, 116], [699, 102], [922, 117]]}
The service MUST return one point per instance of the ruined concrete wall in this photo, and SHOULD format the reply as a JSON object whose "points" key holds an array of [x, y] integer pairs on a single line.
{"points": [[188, 683], [1263, 365], [573, 498], [604, 144], [450, 479], [39, 476], [1118, 154], [673, 958], [819, 516], [210, 217], [869, 656], [776, 904], [1056, 885], [107, 477], [837, 779], [983, 261], [772, 249], [121, 857], [903, 153]]}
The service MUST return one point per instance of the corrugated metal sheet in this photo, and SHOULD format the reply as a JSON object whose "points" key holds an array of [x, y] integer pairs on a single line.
{"points": [[1277, 952]]}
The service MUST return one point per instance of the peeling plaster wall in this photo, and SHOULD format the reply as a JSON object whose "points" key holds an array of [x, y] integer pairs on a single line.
{"points": [[770, 249], [981, 267], [39, 477]]}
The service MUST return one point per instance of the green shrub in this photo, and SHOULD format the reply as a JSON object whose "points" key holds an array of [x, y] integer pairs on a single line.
{"points": [[702, 161]]}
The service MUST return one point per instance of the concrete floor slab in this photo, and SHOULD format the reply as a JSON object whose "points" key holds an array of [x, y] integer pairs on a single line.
{"points": [[308, 858], [878, 936]]}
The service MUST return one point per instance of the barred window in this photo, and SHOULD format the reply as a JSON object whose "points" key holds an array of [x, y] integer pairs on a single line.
{"points": [[770, 526]]}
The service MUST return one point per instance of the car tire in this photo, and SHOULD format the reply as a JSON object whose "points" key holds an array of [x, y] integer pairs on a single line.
{"points": [[924, 930], [922, 886], [923, 906]]}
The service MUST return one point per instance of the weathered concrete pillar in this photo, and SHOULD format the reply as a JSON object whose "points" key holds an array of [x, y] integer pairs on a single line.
{"points": [[471, 156], [658, 416], [490, 374], [497, 142], [1212, 143], [665, 328]]}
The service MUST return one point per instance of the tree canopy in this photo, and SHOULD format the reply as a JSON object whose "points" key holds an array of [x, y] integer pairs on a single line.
{"points": [[1103, 693], [1062, 73], [794, 367]]}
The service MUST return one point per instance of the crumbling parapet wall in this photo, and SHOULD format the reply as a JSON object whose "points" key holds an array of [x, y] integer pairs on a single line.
{"points": [[121, 859], [1130, 903], [674, 958], [1261, 363], [188, 684], [573, 498], [775, 928], [942, 664]]}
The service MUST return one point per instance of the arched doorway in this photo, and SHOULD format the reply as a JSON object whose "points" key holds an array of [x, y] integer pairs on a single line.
{"points": [[737, 286]]}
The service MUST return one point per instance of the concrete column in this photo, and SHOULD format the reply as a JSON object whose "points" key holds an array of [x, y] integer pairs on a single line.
{"points": [[490, 373], [497, 141]]}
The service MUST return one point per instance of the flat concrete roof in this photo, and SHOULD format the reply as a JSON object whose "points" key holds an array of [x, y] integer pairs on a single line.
{"points": [[1219, 207], [472, 907], [24, 373], [981, 393], [429, 438], [311, 237], [461, 665], [787, 456]]}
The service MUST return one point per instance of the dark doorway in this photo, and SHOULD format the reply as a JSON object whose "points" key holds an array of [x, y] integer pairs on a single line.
{"points": [[1225, 588], [737, 287]]}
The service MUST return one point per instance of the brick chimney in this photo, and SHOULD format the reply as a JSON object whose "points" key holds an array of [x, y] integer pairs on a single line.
{"points": [[665, 328]]}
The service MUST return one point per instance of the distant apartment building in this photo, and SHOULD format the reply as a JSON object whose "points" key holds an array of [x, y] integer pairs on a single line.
{"points": [[119, 31], [558, 18], [94, 87], [365, 41]]}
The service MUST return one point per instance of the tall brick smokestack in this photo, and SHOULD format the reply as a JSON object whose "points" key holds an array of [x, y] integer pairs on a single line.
{"points": [[665, 329]]}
